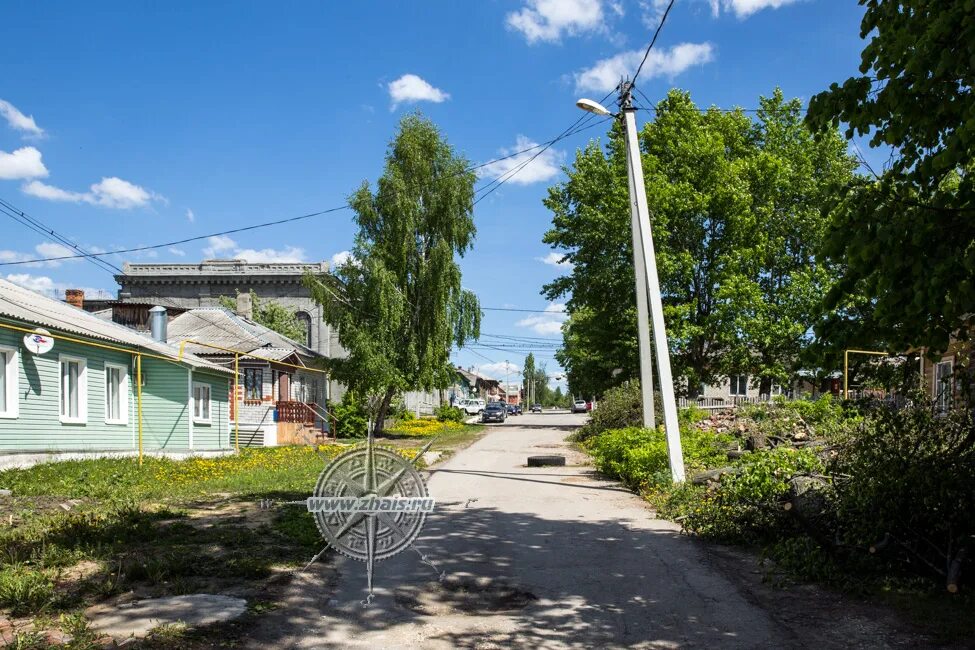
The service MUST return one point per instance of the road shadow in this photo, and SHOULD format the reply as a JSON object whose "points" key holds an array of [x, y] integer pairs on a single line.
{"points": [[517, 580]]}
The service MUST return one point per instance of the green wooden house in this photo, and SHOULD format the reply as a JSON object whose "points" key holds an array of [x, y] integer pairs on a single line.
{"points": [[82, 394]]}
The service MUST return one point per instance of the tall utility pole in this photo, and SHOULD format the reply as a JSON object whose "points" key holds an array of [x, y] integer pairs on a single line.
{"points": [[643, 252]]}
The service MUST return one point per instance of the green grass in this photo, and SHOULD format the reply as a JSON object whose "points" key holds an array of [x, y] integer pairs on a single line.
{"points": [[76, 532], [252, 472]]}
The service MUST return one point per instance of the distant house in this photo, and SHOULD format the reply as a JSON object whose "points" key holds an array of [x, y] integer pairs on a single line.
{"points": [[282, 390], [944, 378], [74, 390], [468, 383]]}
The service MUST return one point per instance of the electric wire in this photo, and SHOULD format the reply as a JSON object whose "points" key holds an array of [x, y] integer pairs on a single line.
{"points": [[663, 19]]}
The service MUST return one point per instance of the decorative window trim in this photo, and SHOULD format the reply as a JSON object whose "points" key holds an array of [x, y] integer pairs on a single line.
{"points": [[82, 417], [123, 390], [11, 371], [209, 418], [943, 402]]}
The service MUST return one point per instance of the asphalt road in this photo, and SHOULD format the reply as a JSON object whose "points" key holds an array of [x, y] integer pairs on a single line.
{"points": [[555, 558]]}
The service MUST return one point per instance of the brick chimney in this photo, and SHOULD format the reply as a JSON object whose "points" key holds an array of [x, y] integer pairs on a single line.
{"points": [[245, 306], [75, 297]]}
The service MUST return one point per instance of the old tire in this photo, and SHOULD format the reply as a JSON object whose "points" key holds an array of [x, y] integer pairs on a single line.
{"points": [[546, 461]]}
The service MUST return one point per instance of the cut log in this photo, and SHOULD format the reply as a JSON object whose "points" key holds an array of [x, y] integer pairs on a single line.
{"points": [[735, 454], [755, 442], [806, 502], [954, 571], [712, 475]]}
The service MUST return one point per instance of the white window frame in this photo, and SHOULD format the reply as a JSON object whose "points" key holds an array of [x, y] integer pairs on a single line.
{"points": [[11, 375], [123, 390], [82, 417], [733, 389], [209, 418], [943, 402]]}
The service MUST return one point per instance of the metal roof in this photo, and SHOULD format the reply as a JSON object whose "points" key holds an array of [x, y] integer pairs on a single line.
{"points": [[29, 307], [221, 327]]}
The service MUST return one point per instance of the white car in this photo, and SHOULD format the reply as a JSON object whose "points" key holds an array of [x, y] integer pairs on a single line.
{"points": [[579, 406], [470, 406]]}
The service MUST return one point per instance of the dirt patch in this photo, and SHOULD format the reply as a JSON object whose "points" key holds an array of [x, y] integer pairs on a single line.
{"points": [[246, 514], [464, 594]]}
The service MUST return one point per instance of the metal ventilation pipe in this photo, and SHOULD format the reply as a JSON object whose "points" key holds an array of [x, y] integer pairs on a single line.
{"points": [[157, 323]]}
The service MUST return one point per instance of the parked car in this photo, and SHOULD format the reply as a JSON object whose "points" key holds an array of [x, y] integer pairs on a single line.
{"points": [[470, 406], [579, 406], [514, 409], [536, 408], [494, 412]]}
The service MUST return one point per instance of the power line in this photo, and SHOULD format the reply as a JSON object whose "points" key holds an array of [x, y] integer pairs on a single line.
{"points": [[501, 180], [663, 19], [532, 311], [138, 249]]}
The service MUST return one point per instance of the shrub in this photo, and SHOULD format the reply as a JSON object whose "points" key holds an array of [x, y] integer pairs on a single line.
{"points": [[350, 417], [638, 457], [745, 506], [909, 474], [447, 413], [620, 407]]}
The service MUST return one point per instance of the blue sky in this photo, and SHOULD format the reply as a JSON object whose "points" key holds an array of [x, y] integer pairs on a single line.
{"points": [[133, 123]]}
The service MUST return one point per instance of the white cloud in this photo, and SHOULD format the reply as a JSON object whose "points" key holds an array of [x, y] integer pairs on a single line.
{"points": [[51, 193], [605, 74], [22, 163], [44, 249], [497, 370], [410, 89], [555, 259], [548, 20], [548, 323], [179, 252], [113, 192], [340, 258], [543, 168], [219, 244], [51, 288], [223, 246], [19, 121], [286, 254], [110, 192], [652, 10], [190, 216], [745, 8]]}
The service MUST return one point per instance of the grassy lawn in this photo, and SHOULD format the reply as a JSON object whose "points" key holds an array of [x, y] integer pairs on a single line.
{"points": [[78, 532], [75, 533], [447, 438]]}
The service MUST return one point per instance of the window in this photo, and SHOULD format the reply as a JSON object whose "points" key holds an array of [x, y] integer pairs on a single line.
{"points": [[942, 385], [201, 403], [253, 383], [739, 385], [116, 394], [8, 383], [74, 390], [305, 321]]}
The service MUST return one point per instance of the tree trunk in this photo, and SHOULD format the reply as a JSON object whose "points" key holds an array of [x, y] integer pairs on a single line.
{"points": [[380, 423], [765, 387]]}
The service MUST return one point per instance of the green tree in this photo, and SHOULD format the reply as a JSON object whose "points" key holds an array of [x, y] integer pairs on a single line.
{"points": [[527, 373], [398, 304], [271, 315], [737, 207], [905, 240]]}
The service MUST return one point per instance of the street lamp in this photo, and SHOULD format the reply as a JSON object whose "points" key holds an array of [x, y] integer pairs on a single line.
{"points": [[647, 285]]}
